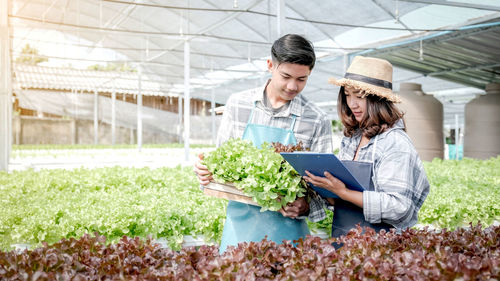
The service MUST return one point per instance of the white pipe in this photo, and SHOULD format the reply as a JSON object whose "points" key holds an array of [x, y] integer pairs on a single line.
{"points": [[214, 136], [456, 136], [113, 117], [280, 18], [187, 100], [139, 112], [96, 117], [179, 124], [5, 88]]}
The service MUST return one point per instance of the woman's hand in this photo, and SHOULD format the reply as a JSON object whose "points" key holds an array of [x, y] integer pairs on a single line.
{"points": [[328, 182], [336, 186]]}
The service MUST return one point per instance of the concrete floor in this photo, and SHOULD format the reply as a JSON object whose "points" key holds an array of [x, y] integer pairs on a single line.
{"points": [[95, 158]]}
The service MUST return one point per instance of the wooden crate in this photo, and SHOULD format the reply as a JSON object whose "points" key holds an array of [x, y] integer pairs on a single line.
{"points": [[227, 191]]}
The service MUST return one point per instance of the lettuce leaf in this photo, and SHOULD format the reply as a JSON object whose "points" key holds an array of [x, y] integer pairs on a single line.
{"points": [[260, 173]]}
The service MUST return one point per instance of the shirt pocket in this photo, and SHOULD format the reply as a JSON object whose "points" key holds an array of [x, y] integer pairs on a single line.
{"points": [[306, 143]]}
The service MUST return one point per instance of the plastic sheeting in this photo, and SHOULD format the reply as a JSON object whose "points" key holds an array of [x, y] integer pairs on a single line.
{"points": [[81, 106]]}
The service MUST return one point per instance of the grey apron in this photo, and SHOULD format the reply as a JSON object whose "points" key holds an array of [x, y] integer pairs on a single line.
{"points": [[346, 214]]}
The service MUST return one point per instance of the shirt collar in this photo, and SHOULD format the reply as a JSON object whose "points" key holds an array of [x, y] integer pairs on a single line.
{"points": [[399, 125], [294, 108]]}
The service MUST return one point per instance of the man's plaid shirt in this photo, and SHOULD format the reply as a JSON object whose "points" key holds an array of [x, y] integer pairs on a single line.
{"points": [[312, 127]]}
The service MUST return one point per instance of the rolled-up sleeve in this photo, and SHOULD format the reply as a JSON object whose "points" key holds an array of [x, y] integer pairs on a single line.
{"points": [[316, 208], [395, 185]]}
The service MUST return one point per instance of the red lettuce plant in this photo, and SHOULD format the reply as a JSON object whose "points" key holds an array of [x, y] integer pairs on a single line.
{"points": [[463, 254]]}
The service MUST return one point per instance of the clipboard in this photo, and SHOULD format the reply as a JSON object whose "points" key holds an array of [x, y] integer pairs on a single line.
{"points": [[318, 164]]}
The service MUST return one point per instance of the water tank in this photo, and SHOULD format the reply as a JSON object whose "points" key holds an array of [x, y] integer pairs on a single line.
{"points": [[424, 120], [482, 124]]}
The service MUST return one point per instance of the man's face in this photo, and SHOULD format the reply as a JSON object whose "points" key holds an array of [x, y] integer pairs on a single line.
{"points": [[288, 79]]}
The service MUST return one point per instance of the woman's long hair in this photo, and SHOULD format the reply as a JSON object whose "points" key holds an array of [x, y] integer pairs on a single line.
{"points": [[381, 115]]}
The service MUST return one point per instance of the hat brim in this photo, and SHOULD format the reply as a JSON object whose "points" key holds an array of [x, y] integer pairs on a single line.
{"points": [[368, 88]]}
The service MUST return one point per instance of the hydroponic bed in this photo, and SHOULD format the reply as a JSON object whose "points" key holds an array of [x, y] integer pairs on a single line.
{"points": [[167, 205]]}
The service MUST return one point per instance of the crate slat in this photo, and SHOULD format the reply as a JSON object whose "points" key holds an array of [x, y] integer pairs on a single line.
{"points": [[227, 191]]}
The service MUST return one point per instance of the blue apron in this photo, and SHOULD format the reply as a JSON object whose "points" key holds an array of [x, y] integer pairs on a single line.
{"points": [[245, 223], [346, 214]]}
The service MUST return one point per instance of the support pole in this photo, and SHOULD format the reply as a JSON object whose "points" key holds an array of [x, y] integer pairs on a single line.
{"points": [[280, 18], [5, 88], [113, 117], [346, 62], [187, 100], [139, 112], [214, 133], [179, 124], [96, 117], [456, 137]]}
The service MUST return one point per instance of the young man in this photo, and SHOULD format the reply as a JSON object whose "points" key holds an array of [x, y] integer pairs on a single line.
{"points": [[275, 113]]}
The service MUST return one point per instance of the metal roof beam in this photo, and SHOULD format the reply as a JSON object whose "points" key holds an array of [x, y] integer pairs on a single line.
{"points": [[438, 39], [322, 31], [215, 25], [474, 67], [63, 14], [426, 69], [393, 16], [207, 29], [456, 4], [48, 9], [174, 36], [454, 74]]}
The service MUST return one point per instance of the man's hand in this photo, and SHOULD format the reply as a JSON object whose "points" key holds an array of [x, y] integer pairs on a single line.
{"points": [[204, 176], [296, 208]]}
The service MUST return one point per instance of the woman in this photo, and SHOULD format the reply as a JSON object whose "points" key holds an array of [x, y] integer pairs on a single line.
{"points": [[376, 147]]}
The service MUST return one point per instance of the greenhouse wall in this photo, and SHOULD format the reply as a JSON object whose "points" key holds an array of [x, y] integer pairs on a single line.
{"points": [[35, 130], [43, 130]]}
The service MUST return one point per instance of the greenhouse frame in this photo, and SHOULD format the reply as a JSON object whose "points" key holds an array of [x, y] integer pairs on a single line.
{"points": [[207, 50]]}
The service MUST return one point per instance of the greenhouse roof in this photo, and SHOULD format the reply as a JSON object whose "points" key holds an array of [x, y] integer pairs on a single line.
{"points": [[230, 40], [69, 79], [470, 55]]}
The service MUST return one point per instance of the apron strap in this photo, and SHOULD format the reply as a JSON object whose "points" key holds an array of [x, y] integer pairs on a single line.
{"points": [[250, 118], [294, 118], [374, 176], [251, 113], [374, 149]]}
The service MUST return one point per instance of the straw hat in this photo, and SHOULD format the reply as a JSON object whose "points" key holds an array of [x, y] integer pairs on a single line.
{"points": [[372, 75]]}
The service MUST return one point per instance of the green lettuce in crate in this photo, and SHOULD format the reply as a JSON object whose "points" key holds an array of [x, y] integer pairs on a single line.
{"points": [[260, 173]]}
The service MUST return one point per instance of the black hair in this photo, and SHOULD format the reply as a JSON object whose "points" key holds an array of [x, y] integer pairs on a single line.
{"points": [[293, 48]]}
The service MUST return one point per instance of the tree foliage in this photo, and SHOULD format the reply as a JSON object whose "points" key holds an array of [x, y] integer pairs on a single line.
{"points": [[121, 67], [30, 55]]}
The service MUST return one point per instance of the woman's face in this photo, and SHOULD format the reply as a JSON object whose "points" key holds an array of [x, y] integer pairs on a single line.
{"points": [[356, 101]]}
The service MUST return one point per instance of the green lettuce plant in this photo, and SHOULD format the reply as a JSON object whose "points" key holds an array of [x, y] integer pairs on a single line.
{"points": [[260, 173]]}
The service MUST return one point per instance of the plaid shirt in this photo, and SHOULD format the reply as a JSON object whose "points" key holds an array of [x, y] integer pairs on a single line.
{"points": [[311, 127], [401, 184]]}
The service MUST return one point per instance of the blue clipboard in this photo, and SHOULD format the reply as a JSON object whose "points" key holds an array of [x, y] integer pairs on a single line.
{"points": [[317, 164]]}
